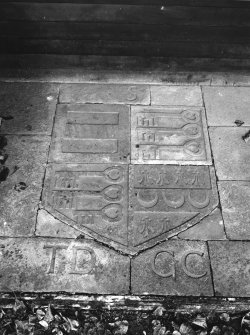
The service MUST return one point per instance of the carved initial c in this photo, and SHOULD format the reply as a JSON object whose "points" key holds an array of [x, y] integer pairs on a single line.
{"points": [[160, 273], [184, 264]]}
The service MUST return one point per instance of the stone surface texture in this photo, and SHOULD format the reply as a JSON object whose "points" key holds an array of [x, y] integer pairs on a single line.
{"points": [[20, 193], [169, 135], [176, 95], [91, 197], [27, 108], [210, 228], [165, 200], [231, 153], [231, 271], [49, 226], [105, 94], [111, 188], [225, 105], [173, 268], [91, 133], [47, 265], [235, 199]]}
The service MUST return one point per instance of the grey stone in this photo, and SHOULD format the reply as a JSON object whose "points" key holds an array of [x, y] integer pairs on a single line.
{"points": [[27, 108], [166, 200], [91, 133], [224, 105], [105, 93], [20, 192], [210, 228], [176, 95], [49, 226], [231, 153], [50, 265], [91, 197], [173, 268], [235, 199], [230, 264], [169, 135]]}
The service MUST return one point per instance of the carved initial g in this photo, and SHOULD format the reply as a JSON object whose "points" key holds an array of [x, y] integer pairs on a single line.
{"points": [[160, 272]]}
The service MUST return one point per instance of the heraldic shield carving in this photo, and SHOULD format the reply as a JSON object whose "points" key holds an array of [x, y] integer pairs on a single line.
{"points": [[92, 184]]}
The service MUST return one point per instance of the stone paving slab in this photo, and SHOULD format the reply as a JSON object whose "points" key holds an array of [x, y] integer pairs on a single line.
{"points": [[47, 265], [27, 108], [231, 153], [165, 200], [20, 193], [49, 226], [169, 135], [176, 95], [225, 105], [235, 199], [209, 228], [105, 94], [91, 197], [173, 268], [91, 134], [231, 270]]}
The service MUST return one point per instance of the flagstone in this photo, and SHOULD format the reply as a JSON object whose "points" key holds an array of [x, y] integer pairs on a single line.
{"points": [[235, 199], [52, 265], [231, 271], [105, 94], [225, 105], [20, 193], [209, 228], [174, 267], [176, 95], [231, 153], [27, 108]]}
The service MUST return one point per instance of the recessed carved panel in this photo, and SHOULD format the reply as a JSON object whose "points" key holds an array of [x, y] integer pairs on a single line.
{"points": [[91, 197], [167, 199], [91, 133], [169, 135]]}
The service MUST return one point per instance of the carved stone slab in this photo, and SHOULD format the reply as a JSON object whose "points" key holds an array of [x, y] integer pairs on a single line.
{"points": [[169, 135], [173, 268], [165, 200], [90, 197], [91, 133], [47, 265], [105, 94]]}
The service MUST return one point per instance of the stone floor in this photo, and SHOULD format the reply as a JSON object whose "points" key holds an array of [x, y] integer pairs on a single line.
{"points": [[138, 189]]}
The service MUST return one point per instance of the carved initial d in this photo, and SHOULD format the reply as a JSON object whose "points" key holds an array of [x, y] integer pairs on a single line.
{"points": [[87, 265], [160, 272], [184, 264]]}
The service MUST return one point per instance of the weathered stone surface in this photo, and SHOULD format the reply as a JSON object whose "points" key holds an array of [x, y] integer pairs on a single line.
{"points": [[165, 200], [173, 268], [230, 264], [48, 265], [105, 93], [176, 95], [27, 108], [91, 133], [49, 226], [91, 197], [231, 153], [224, 105], [169, 135], [210, 228], [235, 199], [20, 192]]}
